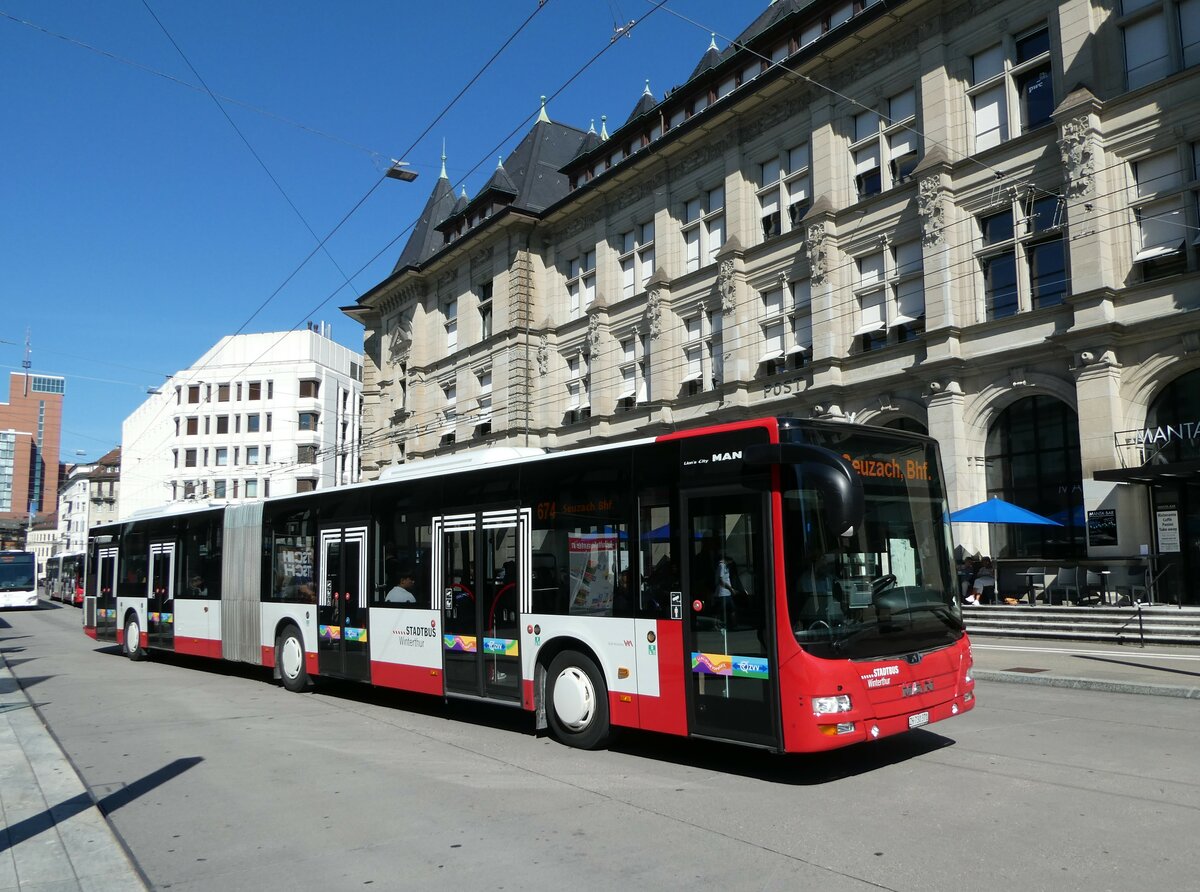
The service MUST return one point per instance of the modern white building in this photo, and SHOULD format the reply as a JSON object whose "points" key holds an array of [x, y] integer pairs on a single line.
{"points": [[257, 415]]}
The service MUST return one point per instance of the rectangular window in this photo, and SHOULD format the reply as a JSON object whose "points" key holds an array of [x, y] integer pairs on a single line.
{"points": [[251, 455], [307, 421], [485, 311], [783, 184], [193, 394], [306, 454], [218, 489], [581, 282], [222, 393], [483, 418], [222, 424], [450, 315], [703, 228], [221, 457], [1158, 207], [1160, 37], [637, 258], [999, 264], [310, 388], [305, 484], [189, 458], [579, 402], [252, 423], [252, 489], [254, 390], [193, 426], [1011, 90]]}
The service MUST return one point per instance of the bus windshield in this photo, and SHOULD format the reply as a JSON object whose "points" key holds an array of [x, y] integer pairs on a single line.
{"points": [[884, 587], [16, 572]]}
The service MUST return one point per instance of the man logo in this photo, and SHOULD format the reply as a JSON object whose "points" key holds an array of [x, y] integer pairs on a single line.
{"points": [[726, 456], [916, 687]]}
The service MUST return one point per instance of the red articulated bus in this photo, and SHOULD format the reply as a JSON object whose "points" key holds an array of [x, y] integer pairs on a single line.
{"points": [[780, 583]]}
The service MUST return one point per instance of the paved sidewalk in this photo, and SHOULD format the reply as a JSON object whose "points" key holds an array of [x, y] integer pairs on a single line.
{"points": [[53, 836], [1124, 669]]}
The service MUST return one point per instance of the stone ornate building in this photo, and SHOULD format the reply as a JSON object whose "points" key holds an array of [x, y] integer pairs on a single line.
{"points": [[977, 220]]}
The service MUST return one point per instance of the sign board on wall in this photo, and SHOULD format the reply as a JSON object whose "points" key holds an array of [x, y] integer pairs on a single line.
{"points": [[1102, 526], [1167, 524]]}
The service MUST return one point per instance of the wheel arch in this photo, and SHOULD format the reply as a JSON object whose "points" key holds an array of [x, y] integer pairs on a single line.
{"points": [[545, 656], [280, 625]]}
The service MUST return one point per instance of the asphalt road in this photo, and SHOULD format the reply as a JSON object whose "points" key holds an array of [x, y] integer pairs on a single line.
{"points": [[217, 778]]}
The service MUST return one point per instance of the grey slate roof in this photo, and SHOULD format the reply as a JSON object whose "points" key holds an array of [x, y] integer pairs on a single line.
{"points": [[646, 103], [529, 178], [425, 238]]}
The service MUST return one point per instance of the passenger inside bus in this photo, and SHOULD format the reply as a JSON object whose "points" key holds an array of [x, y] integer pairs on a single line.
{"points": [[401, 591]]}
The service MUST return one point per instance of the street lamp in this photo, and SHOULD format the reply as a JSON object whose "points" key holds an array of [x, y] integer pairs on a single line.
{"points": [[401, 171]]}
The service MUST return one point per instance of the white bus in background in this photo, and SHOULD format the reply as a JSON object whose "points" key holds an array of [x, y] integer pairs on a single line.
{"points": [[18, 583]]}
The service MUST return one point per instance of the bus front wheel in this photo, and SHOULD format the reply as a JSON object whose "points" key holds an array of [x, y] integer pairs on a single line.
{"points": [[289, 657], [133, 639], [578, 701]]}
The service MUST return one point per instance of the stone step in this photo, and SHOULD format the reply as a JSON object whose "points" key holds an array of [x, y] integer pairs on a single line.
{"points": [[1159, 625]]}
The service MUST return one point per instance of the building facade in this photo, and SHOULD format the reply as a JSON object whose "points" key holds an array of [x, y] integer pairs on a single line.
{"points": [[89, 498], [30, 433], [976, 220], [257, 415]]}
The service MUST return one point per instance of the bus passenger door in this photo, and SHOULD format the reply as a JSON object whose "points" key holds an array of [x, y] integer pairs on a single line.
{"points": [[342, 646], [728, 581], [160, 597], [106, 594], [481, 568]]}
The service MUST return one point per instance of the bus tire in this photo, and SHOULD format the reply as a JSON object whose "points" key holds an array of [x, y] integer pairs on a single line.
{"points": [[133, 639], [577, 701], [290, 660]]}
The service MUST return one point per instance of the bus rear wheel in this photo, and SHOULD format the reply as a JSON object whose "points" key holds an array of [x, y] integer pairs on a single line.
{"points": [[577, 701], [289, 659], [133, 639]]}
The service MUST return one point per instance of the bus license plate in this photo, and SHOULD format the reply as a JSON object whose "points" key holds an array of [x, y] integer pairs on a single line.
{"points": [[921, 718]]}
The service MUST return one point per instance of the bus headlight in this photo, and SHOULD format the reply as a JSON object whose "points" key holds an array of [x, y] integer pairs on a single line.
{"points": [[828, 705]]}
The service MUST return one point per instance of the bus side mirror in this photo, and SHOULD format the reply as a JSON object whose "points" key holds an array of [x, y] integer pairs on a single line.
{"points": [[825, 471]]}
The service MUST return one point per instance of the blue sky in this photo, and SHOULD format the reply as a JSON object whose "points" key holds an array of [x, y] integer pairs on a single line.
{"points": [[137, 228]]}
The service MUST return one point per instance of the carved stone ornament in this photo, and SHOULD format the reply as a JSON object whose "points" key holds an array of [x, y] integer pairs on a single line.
{"points": [[543, 355], [931, 211], [1079, 157], [653, 314], [482, 254], [725, 285], [593, 333], [814, 245], [400, 341]]}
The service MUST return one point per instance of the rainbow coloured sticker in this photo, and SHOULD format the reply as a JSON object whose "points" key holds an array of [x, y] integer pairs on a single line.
{"points": [[154, 617], [330, 633], [168, 617], [461, 643], [731, 665], [505, 647], [711, 664], [359, 635]]}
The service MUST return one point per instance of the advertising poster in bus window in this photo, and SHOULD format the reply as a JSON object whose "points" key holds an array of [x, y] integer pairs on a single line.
{"points": [[593, 572]]}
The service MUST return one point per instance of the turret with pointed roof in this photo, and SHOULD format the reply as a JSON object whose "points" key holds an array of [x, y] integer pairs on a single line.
{"points": [[425, 239]]}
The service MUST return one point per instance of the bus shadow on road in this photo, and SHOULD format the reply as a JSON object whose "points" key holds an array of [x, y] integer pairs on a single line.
{"points": [[799, 769], [807, 769]]}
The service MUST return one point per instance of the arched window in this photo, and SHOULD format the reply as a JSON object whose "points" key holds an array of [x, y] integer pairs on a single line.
{"points": [[904, 423], [1171, 422], [1033, 461]]}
